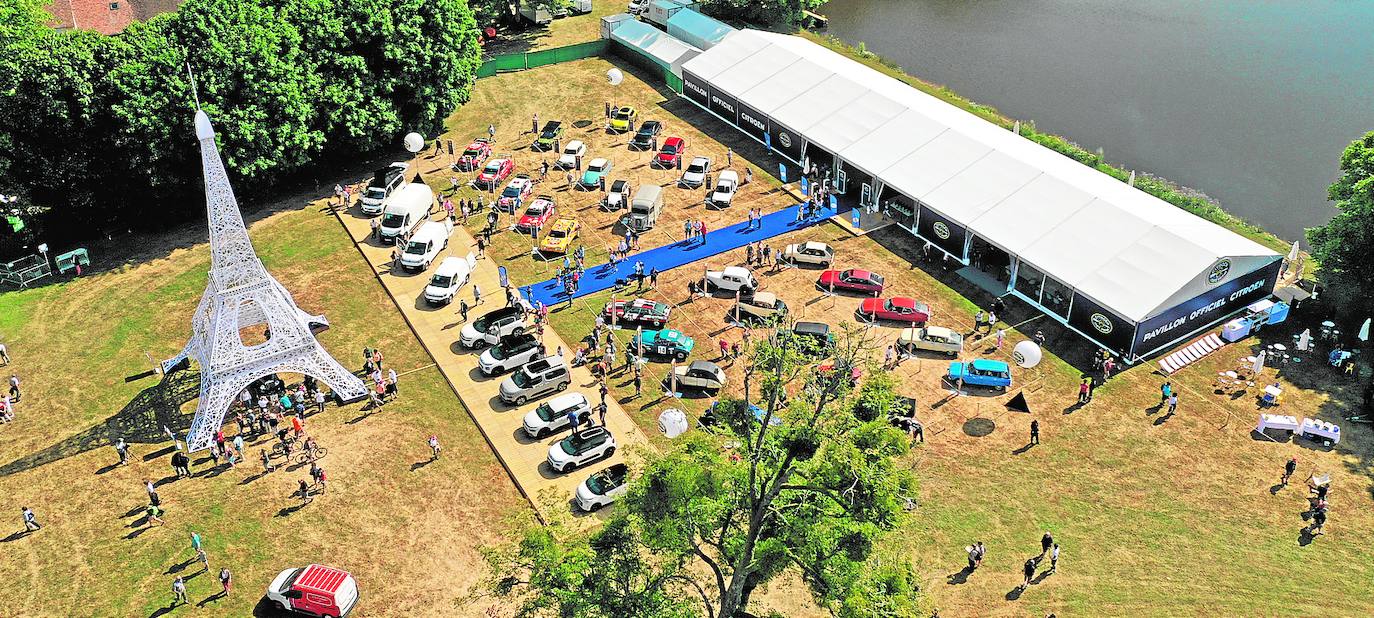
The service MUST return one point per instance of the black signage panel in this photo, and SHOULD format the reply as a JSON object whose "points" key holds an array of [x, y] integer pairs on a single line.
{"points": [[696, 89], [1102, 325], [1203, 309], [752, 122], [946, 234], [787, 142], [724, 106]]}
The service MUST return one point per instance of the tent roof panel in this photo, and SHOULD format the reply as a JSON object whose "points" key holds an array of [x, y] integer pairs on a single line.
{"points": [[724, 55], [1027, 214], [853, 121], [927, 167], [753, 69], [980, 186], [783, 86], [818, 104], [893, 140]]}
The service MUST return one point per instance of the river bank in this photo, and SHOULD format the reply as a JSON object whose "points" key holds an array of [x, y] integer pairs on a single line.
{"points": [[1189, 199]]}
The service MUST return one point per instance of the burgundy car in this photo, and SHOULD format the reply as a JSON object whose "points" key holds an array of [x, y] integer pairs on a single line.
{"points": [[538, 214], [674, 148], [854, 280], [495, 171], [640, 311], [473, 156], [897, 309]]}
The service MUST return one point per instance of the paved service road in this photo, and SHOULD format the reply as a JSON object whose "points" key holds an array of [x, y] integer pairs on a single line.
{"points": [[438, 328]]}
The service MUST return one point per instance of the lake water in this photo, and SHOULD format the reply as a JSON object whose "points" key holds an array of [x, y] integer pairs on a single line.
{"points": [[1250, 101]]}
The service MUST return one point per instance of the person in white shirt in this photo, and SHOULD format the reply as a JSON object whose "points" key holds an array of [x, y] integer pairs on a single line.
{"points": [[4, 354]]}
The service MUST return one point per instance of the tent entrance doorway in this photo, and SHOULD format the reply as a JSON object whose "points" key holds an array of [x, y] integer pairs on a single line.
{"points": [[992, 260]]}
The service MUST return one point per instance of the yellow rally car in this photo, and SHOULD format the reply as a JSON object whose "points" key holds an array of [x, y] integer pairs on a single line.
{"points": [[560, 236], [623, 119]]}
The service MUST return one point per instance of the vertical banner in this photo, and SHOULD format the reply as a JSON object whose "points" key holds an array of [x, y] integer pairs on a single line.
{"points": [[805, 186], [505, 277], [835, 206], [768, 142], [782, 172]]}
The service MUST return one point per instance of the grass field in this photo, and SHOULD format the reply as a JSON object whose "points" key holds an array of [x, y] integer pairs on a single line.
{"points": [[1156, 514], [408, 532]]}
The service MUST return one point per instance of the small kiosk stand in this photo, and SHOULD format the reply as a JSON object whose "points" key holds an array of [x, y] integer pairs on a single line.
{"points": [[1257, 315]]}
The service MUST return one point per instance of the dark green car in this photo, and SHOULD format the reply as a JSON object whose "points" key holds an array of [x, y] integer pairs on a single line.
{"points": [[553, 131]]}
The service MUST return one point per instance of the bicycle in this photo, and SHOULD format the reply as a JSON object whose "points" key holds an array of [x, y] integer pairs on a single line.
{"points": [[284, 449], [307, 456]]}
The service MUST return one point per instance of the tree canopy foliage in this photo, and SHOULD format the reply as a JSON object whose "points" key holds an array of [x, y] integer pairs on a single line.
{"points": [[793, 477], [786, 13], [1344, 245], [96, 131]]}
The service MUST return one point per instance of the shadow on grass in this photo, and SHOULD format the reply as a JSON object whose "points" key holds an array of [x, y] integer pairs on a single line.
{"points": [[140, 421], [420, 464], [15, 536], [961, 577]]}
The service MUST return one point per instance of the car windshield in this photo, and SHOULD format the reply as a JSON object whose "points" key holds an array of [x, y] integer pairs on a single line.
{"points": [[511, 191], [576, 444], [725, 187], [375, 193], [640, 209], [471, 152], [545, 411], [876, 278], [549, 133], [558, 233], [570, 151], [481, 324], [417, 248], [393, 220], [500, 352], [521, 379], [668, 149], [442, 281], [696, 168], [491, 168], [535, 209], [597, 169], [621, 114]]}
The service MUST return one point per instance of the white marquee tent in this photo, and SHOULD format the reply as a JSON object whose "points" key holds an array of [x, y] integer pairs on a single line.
{"points": [[1139, 259]]}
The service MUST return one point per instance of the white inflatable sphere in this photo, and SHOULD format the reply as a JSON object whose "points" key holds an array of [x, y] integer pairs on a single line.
{"points": [[672, 422], [614, 76], [1026, 354], [414, 142]]}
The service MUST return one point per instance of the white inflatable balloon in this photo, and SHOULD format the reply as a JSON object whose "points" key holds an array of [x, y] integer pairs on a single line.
{"points": [[415, 142], [672, 422], [615, 77], [1026, 354]]}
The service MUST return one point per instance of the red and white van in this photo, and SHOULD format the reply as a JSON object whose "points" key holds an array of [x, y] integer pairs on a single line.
{"points": [[315, 590]]}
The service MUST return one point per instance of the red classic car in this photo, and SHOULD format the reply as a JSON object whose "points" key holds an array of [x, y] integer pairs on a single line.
{"points": [[640, 311], [671, 152], [538, 214], [473, 156], [495, 171], [853, 280], [897, 309]]}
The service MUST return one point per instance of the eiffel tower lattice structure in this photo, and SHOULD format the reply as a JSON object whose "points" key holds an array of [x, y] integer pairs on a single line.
{"points": [[241, 294]]}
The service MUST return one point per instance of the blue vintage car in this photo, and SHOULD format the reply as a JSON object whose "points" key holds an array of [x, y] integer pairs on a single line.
{"points": [[981, 372], [668, 342]]}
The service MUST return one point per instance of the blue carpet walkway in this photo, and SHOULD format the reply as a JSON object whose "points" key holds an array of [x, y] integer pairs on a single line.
{"points": [[668, 257]]}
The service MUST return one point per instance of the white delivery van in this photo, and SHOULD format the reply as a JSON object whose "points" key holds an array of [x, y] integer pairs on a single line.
{"points": [[453, 273], [645, 208], [408, 208], [425, 244]]}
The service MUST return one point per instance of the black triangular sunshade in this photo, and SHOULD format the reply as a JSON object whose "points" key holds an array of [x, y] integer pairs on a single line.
{"points": [[1018, 404]]}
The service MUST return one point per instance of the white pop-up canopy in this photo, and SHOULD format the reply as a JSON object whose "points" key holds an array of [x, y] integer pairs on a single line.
{"points": [[1129, 251]]}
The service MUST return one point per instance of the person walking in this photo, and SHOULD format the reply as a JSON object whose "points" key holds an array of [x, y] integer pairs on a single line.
{"points": [[574, 420], [653, 277], [601, 413], [1173, 402], [1001, 337], [303, 490], [154, 513], [639, 383], [1035, 432], [729, 157], [4, 355], [1029, 571], [179, 592], [1288, 469], [122, 448], [476, 294], [319, 401], [1054, 558], [491, 132], [226, 581], [14, 388], [1318, 521], [30, 522], [434, 448], [152, 492], [1046, 542], [1165, 390], [181, 464], [1083, 390], [204, 559], [534, 123], [267, 466], [603, 391]]}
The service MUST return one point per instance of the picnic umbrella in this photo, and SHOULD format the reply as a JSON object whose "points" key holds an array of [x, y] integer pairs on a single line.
{"points": [[1305, 340], [1293, 254], [1259, 362], [1364, 331]]}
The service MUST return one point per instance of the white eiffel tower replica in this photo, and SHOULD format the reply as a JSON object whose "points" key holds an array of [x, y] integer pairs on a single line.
{"points": [[241, 294]]}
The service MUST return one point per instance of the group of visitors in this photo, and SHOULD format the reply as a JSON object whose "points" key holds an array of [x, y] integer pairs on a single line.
{"points": [[692, 230], [759, 255]]}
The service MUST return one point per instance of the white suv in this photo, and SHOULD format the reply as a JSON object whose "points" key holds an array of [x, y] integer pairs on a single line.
{"points": [[510, 352], [695, 174], [452, 273], [603, 488], [491, 327], [552, 415], [581, 448], [535, 380]]}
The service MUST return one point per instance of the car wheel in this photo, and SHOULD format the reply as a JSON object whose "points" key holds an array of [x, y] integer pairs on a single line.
{"points": [[540, 433], [519, 330], [563, 386], [610, 452], [520, 401], [596, 506], [680, 356], [279, 605]]}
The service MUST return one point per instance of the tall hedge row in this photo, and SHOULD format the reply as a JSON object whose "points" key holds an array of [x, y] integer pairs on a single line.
{"points": [[96, 134]]}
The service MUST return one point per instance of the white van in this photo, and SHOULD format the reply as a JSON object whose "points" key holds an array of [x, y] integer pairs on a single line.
{"points": [[645, 208], [452, 274], [408, 208], [425, 244]]}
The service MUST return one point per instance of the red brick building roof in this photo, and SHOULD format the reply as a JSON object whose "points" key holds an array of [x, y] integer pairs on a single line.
{"points": [[105, 16]]}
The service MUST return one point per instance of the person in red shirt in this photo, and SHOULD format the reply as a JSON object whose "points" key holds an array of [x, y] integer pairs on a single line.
{"points": [[297, 426]]}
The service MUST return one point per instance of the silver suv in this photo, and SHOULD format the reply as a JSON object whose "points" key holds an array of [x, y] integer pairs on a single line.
{"points": [[535, 380]]}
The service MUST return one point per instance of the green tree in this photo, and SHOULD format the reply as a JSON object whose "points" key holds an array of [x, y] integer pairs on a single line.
{"points": [[783, 13], [808, 486], [1342, 247]]}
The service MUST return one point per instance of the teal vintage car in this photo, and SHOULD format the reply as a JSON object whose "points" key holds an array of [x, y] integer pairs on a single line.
{"points": [[596, 170], [981, 372], [668, 342]]}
